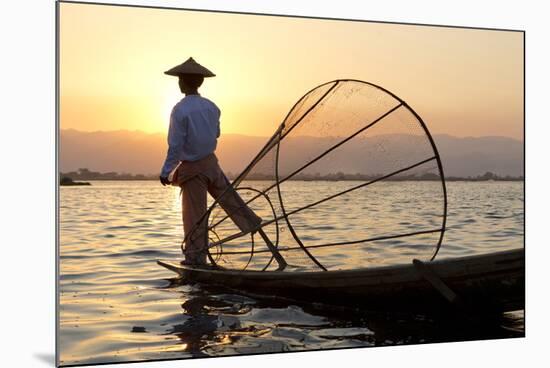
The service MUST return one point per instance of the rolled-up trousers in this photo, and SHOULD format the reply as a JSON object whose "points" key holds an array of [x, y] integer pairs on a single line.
{"points": [[196, 179]]}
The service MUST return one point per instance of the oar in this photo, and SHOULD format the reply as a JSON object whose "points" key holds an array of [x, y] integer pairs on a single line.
{"points": [[278, 257]]}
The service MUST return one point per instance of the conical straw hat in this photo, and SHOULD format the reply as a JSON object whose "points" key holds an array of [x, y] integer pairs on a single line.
{"points": [[190, 66]]}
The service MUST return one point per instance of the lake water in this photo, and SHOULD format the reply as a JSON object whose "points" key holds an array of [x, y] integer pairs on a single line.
{"points": [[117, 304]]}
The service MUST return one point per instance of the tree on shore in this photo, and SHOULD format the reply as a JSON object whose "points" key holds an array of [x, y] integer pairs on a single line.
{"points": [[87, 174]]}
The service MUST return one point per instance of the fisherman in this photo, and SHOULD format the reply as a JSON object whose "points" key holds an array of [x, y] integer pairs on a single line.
{"points": [[192, 139]]}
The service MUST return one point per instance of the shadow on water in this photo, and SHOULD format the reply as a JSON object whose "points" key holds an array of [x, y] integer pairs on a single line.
{"points": [[46, 358], [207, 317], [218, 321]]}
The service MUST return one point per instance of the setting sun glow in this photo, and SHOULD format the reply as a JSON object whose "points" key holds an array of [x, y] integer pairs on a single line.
{"points": [[463, 82]]}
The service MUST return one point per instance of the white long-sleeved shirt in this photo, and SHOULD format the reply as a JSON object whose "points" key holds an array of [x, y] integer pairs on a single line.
{"points": [[193, 132]]}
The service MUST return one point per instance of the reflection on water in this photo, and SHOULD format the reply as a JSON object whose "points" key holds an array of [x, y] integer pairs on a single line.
{"points": [[118, 305]]}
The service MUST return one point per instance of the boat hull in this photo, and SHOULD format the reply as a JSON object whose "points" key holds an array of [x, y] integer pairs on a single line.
{"points": [[492, 282]]}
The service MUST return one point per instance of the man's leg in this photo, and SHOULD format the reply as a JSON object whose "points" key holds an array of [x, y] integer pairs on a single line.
{"points": [[232, 203], [240, 213], [193, 198]]}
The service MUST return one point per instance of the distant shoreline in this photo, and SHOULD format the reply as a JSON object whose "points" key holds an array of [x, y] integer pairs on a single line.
{"points": [[85, 174], [450, 179]]}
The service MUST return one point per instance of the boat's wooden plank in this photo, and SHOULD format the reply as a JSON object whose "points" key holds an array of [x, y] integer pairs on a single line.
{"points": [[171, 266], [494, 280], [435, 281], [445, 268]]}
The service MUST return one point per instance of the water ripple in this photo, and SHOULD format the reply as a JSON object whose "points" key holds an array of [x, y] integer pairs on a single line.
{"points": [[118, 305]]}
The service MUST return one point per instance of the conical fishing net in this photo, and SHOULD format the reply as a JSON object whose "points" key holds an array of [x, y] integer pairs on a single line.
{"points": [[351, 179]]}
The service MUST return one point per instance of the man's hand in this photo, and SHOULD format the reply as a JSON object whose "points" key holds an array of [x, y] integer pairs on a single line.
{"points": [[164, 180]]}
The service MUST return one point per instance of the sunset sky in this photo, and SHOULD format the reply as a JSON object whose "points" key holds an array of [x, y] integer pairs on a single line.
{"points": [[462, 82]]}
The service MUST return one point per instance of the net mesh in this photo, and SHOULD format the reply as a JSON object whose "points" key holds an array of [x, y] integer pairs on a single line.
{"points": [[350, 179]]}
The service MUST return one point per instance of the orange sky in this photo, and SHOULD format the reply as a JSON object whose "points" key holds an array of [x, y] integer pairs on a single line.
{"points": [[462, 82]]}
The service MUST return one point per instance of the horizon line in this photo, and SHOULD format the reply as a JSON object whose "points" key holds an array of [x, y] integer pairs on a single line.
{"points": [[261, 136]]}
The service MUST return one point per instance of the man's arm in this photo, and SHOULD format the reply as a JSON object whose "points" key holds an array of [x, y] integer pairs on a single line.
{"points": [[176, 137]]}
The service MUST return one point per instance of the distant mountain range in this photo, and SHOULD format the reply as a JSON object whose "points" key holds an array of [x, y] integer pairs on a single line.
{"points": [[137, 152]]}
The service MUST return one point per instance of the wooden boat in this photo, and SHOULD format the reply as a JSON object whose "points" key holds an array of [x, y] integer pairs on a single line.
{"points": [[493, 282]]}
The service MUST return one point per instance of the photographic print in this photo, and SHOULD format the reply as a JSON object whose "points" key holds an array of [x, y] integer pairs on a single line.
{"points": [[236, 184]]}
